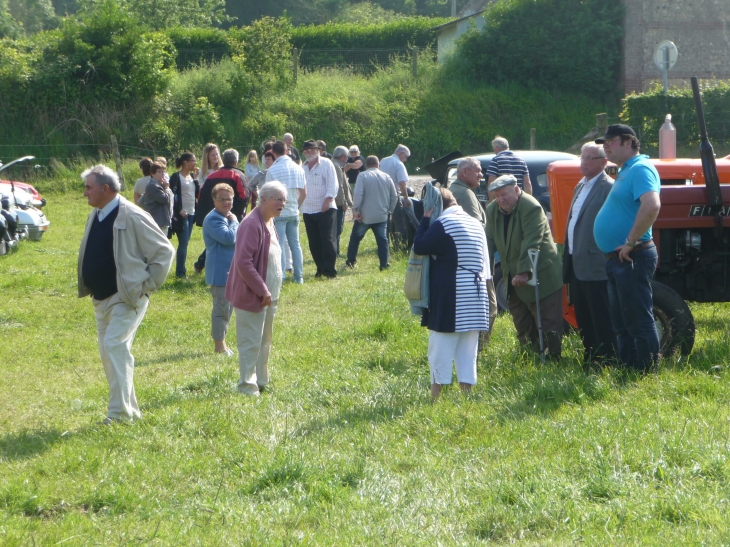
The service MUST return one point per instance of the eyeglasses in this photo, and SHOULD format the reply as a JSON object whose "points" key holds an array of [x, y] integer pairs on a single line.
{"points": [[583, 158], [225, 200], [609, 142], [280, 200]]}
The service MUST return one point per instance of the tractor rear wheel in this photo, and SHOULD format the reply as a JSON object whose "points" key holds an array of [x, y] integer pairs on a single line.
{"points": [[674, 322]]}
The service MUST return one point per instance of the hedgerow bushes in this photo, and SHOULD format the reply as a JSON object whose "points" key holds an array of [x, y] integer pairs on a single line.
{"points": [[566, 45], [645, 112]]}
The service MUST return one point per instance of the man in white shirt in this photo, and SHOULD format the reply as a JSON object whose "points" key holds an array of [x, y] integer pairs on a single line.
{"points": [[584, 265], [393, 167], [290, 175], [319, 209]]}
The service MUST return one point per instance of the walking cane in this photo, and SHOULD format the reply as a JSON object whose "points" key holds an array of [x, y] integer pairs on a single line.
{"points": [[534, 256]]}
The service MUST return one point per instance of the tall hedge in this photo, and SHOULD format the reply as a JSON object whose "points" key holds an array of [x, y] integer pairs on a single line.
{"points": [[413, 31], [645, 112], [211, 44], [570, 45]]}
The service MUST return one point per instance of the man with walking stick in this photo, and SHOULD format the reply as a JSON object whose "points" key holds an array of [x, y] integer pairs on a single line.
{"points": [[516, 224]]}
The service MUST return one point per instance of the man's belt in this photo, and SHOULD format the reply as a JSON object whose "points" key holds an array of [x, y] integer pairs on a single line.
{"points": [[640, 246]]}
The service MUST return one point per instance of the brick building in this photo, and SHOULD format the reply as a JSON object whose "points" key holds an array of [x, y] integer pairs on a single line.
{"points": [[699, 28]]}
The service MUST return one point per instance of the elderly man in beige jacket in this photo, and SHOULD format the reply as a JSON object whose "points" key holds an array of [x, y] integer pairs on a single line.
{"points": [[124, 258]]}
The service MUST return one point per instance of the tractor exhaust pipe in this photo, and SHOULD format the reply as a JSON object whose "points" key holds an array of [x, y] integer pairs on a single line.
{"points": [[709, 167]]}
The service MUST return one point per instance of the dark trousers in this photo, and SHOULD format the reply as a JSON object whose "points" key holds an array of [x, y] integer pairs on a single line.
{"points": [[524, 316], [339, 228], [631, 304], [321, 232], [590, 301]]}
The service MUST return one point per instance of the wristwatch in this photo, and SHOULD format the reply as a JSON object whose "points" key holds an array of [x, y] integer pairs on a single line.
{"points": [[627, 242]]}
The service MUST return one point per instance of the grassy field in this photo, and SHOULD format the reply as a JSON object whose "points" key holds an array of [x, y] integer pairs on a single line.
{"points": [[346, 448]]}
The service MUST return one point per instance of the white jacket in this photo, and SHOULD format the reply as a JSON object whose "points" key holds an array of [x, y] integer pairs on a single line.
{"points": [[142, 253]]}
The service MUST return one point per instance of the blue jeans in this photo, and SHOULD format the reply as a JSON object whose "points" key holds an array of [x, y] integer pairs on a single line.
{"points": [[183, 238], [288, 230], [380, 231], [630, 305]]}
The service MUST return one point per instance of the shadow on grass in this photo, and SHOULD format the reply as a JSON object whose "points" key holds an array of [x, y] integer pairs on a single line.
{"points": [[27, 444], [174, 358], [534, 389], [394, 402], [396, 367]]}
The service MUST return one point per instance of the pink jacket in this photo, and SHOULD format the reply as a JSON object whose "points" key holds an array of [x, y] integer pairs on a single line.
{"points": [[246, 286]]}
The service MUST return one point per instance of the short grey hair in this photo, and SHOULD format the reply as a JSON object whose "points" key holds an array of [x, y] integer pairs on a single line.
{"points": [[230, 157], [598, 147], [287, 136], [500, 142], [372, 161], [339, 152], [272, 189], [103, 175], [403, 148], [465, 163]]}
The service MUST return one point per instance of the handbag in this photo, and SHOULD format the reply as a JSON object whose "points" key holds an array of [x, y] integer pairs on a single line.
{"points": [[414, 275]]}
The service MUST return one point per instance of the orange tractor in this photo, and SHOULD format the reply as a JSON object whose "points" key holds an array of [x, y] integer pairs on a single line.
{"points": [[692, 238]]}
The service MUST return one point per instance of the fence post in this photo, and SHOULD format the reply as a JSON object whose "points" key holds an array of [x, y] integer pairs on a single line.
{"points": [[295, 62], [117, 159], [532, 138], [414, 55], [602, 123]]}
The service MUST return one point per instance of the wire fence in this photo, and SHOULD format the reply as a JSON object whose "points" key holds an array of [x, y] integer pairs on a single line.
{"points": [[359, 60], [189, 57]]}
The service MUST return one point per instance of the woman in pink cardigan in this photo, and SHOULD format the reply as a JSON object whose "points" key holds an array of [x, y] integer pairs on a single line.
{"points": [[253, 287]]}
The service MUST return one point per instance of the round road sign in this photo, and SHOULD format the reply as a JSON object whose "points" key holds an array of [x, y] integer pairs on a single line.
{"points": [[659, 55]]}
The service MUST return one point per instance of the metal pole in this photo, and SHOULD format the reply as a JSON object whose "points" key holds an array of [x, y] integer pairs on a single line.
{"points": [[117, 159], [534, 256], [665, 71], [532, 138]]}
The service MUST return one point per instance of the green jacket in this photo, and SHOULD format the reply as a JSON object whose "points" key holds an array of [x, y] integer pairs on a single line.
{"points": [[528, 229], [467, 200]]}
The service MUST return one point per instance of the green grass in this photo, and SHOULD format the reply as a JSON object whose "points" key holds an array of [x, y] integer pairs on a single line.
{"points": [[347, 448]]}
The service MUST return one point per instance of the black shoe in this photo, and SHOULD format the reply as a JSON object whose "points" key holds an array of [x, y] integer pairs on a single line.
{"points": [[384, 267], [350, 265]]}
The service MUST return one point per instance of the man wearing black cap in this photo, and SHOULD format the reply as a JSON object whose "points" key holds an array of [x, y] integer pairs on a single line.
{"points": [[623, 232], [516, 223]]}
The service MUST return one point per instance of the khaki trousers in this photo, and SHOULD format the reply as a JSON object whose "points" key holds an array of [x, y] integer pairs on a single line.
{"points": [[116, 325], [254, 331]]}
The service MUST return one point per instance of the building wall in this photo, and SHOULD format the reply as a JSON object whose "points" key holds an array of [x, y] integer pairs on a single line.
{"points": [[448, 34], [699, 28]]}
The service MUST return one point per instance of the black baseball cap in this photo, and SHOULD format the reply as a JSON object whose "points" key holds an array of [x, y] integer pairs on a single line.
{"points": [[616, 131]]}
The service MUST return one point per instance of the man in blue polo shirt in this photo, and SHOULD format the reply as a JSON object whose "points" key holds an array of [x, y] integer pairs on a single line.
{"points": [[623, 232]]}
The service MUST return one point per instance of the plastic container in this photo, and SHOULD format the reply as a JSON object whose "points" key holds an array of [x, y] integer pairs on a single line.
{"points": [[668, 140]]}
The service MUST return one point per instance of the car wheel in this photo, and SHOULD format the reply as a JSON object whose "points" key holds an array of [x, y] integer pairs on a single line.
{"points": [[500, 287], [674, 322]]}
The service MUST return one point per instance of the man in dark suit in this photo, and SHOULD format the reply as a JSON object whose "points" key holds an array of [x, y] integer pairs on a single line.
{"points": [[517, 223], [584, 265]]}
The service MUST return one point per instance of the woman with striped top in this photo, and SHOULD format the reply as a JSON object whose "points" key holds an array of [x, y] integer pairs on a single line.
{"points": [[458, 300]]}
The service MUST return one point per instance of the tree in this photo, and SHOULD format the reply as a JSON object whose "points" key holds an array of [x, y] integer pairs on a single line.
{"points": [[168, 13], [34, 15], [9, 27]]}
